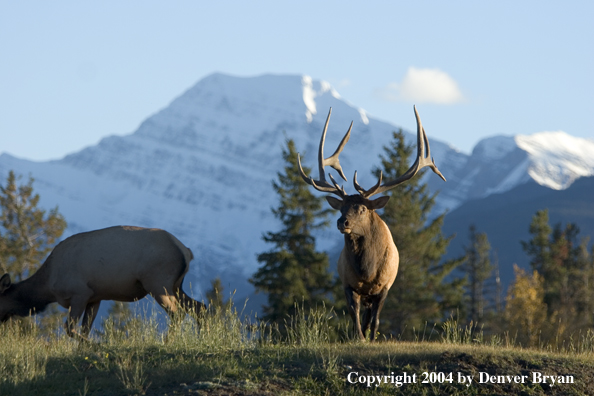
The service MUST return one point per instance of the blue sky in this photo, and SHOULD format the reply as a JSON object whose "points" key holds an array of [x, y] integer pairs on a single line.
{"points": [[74, 72]]}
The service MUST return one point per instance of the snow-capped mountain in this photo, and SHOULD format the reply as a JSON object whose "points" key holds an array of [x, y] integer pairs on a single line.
{"points": [[202, 167], [498, 164], [557, 159]]}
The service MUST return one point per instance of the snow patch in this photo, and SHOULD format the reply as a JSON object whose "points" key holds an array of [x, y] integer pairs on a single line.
{"points": [[309, 98], [557, 158], [363, 115]]}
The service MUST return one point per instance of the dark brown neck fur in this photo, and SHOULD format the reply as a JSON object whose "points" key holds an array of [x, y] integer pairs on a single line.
{"points": [[30, 295]]}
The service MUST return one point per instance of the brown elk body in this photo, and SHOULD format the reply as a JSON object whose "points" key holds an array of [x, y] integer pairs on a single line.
{"points": [[117, 263], [368, 263]]}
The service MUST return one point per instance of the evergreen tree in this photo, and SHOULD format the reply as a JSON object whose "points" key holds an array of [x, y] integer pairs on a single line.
{"points": [[27, 233], [293, 271], [215, 295], [584, 293], [478, 269], [538, 248], [567, 271], [551, 255], [421, 293]]}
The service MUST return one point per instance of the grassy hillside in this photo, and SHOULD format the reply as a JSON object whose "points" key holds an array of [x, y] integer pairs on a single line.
{"points": [[229, 356]]}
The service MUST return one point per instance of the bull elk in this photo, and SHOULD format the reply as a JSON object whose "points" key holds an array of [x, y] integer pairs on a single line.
{"points": [[368, 263], [117, 263]]}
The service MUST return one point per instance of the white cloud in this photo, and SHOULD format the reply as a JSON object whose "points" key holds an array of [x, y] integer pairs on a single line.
{"points": [[423, 86]]}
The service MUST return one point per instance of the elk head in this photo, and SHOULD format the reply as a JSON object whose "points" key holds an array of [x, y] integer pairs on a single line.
{"points": [[357, 209], [6, 305]]}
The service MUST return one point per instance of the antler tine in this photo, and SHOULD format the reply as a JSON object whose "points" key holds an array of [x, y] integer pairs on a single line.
{"points": [[423, 159], [305, 178], [371, 191], [340, 189], [332, 161], [319, 185], [359, 189], [426, 160], [321, 148]]}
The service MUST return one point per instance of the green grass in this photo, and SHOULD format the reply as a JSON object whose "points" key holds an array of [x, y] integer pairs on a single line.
{"points": [[232, 355]]}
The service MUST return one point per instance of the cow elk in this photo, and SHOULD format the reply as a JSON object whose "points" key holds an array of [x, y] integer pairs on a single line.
{"points": [[368, 263], [117, 263]]}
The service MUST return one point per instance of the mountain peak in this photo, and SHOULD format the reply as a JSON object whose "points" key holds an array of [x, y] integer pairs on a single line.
{"points": [[495, 147], [233, 105], [557, 158]]}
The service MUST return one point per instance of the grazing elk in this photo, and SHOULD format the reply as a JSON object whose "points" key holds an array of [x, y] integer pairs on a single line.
{"points": [[368, 263], [117, 263]]}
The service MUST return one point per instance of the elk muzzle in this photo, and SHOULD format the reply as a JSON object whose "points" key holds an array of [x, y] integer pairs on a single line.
{"points": [[343, 225]]}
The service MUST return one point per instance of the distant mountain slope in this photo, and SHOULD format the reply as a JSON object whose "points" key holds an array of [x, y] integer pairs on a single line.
{"points": [[506, 218]]}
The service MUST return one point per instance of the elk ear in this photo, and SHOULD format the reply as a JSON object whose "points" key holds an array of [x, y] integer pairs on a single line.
{"points": [[4, 283], [379, 203], [334, 202]]}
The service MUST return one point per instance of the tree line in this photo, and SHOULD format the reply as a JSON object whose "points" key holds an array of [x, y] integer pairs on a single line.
{"points": [[552, 302]]}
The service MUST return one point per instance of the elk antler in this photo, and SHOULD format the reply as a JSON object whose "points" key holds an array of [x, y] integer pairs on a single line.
{"points": [[332, 161], [422, 161]]}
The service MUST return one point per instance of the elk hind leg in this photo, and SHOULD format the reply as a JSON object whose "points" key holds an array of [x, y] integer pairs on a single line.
{"points": [[177, 304], [190, 305], [170, 304], [168, 301]]}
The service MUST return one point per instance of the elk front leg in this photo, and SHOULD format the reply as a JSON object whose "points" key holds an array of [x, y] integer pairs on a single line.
{"points": [[71, 322], [376, 307], [354, 304], [366, 319], [76, 306], [89, 317]]}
